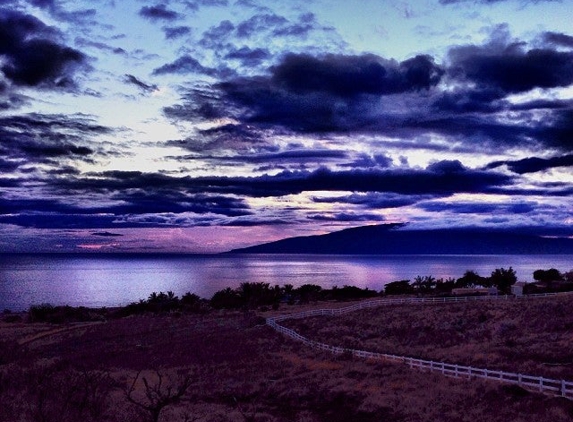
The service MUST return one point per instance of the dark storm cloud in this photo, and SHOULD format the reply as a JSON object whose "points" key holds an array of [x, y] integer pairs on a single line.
{"points": [[31, 54], [472, 100], [509, 66], [479, 208], [158, 12], [484, 131], [369, 161], [346, 217], [329, 93], [38, 138], [165, 200], [535, 164], [130, 79], [443, 178], [557, 39], [47, 206], [467, 100], [350, 76], [375, 200], [63, 221], [542, 104], [145, 207], [557, 129], [136, 199], [293, 157]]}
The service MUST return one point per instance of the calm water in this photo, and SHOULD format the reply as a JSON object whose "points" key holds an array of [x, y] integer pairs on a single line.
{"points": [[117, 280]]}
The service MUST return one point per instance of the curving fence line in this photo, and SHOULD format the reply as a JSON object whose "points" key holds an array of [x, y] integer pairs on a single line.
{"points": [[543, 385]]}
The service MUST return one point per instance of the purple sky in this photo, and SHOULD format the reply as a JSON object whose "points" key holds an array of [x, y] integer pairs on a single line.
{"points": [[206, 125]]}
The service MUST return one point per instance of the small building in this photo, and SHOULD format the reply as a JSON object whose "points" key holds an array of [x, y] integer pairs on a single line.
{"points": [[517, 288], [471, 291]]}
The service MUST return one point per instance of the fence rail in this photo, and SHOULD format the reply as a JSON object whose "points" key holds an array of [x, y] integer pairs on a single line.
{"points": [[543, 385], [410, 300]]}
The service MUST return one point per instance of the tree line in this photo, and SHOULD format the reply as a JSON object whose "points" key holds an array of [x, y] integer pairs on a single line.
{"points": [[260, 295]]}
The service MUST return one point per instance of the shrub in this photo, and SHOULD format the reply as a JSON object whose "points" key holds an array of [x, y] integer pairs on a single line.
{"points": [[226, 299], [401, 287], [351, 293], [309, 292], [40, 313]]}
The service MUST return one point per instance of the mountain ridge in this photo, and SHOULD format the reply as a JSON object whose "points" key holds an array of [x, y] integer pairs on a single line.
{"points": [[390, 239]]}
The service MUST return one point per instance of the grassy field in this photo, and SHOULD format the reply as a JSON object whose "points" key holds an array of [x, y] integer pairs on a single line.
{"points": [[229, 366], [531, 336]]}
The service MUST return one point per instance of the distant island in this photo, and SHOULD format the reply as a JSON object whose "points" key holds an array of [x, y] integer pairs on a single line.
{"points": [[394, 239]]}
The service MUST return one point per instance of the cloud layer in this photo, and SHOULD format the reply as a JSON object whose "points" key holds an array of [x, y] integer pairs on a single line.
{"points": [[250, 114]]}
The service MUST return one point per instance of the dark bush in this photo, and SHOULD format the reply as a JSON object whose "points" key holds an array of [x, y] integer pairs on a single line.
{"points": [[401, 287], [351, 293], [226, 299], [61, 314], [309, 293]]}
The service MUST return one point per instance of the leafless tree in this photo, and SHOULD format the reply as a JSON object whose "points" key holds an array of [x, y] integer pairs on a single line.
{"points": [[158, 393]]}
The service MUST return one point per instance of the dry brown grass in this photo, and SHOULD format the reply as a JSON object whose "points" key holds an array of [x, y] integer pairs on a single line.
{"points": [[532, 336], [241, 370]]}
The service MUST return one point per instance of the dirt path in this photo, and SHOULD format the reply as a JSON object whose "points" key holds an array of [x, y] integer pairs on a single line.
{"points": [[29, 339]]}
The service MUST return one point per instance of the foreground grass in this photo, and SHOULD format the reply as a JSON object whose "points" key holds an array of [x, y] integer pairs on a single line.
{"points": [[532, 336], [238, 369]]}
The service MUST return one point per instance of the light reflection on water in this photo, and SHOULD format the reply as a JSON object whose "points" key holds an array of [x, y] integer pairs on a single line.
{"points": [[118, 280]]}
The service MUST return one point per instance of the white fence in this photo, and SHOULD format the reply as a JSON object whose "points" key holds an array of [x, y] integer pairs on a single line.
{"points": [[543, 385], [410, 300]]}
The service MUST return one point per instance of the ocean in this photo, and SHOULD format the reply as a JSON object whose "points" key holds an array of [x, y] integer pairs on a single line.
{"points": [[113, 280]]}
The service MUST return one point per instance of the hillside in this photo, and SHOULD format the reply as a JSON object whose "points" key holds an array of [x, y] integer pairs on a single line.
{"points": [[230, 367], [387, 239]]}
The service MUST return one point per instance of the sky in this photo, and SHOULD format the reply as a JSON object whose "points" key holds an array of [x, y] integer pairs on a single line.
{"points": [[199, 126]]}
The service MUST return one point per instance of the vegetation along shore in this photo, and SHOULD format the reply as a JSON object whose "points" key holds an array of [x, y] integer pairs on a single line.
{"points": [[170, 358]]}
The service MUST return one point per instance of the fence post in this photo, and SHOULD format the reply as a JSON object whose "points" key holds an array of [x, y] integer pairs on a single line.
{"points": [[519, 379], [562, 388]]}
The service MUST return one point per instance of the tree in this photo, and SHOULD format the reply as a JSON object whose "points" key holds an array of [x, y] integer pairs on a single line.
{"points": [[226, 299], [445, 286], [308, 293], [503, 279], [471, 279], [158, 394], [424, 284], [401, 287], [547, 276]]}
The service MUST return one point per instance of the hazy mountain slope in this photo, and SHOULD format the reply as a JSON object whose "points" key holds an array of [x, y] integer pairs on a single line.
{"points": [[393, 239]]}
